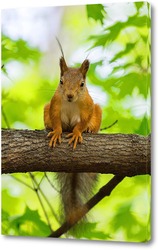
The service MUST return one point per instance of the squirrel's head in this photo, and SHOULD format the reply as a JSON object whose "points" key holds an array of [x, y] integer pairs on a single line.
{"points": [[72, 80]]}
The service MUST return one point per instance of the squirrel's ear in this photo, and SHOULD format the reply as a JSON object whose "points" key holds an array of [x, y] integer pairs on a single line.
{"points": [[63, 65], [84, 67]]}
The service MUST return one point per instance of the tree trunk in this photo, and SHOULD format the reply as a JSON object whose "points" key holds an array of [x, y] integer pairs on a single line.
{"points": [[121, 154]]}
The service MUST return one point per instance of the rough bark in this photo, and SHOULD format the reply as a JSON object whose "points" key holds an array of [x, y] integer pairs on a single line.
{"points": [[121, 154]]}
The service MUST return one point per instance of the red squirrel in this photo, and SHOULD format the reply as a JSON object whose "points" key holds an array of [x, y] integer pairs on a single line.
{"points": [[72, 110]]}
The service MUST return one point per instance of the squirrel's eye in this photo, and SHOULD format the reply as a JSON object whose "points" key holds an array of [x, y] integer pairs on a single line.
{"points": [[61, 82], [82, 84]]}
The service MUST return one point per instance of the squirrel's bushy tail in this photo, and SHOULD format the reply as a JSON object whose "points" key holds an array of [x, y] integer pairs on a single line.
{"points": [[75, 189]]}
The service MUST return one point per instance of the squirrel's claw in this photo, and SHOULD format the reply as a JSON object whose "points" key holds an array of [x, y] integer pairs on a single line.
{"points": [[56, 137], [89, 130], [76, 137]]}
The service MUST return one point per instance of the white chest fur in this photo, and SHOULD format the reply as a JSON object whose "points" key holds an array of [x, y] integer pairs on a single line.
{"points": [[70, 115]]}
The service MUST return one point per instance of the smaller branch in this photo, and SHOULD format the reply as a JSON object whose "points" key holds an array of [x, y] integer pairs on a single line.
{"points": [[109, 126], [104, 191], [40, 190], [45, 174], [23, 182], [38, 184], [44, 196], [35, 186]]}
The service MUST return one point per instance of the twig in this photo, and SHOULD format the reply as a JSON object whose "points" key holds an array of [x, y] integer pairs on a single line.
{"points": [[109, 125], [45, 174], [39, 198], [48, 203], [23, 182], [38, 184], [104, 191]]}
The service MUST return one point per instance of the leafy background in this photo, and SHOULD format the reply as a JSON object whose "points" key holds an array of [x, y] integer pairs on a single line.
{"points": [[118, 47]]}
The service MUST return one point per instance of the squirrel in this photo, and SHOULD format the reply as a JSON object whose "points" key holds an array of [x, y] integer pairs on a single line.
{"points": [[72, 110]]}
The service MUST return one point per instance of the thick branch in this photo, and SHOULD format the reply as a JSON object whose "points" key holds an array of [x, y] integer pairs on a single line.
{"points": [[121, 154]]}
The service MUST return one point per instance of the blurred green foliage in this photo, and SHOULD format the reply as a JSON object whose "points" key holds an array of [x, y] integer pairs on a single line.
{"points": [[27, 224], [18, 50], [30, 202]]}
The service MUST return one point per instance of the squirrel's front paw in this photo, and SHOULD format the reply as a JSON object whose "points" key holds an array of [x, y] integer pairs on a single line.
{"points": [[56, 137], [76, 138]]}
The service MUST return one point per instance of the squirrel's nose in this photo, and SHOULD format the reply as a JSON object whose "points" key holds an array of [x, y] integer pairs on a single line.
{"points": [[70, 96]]}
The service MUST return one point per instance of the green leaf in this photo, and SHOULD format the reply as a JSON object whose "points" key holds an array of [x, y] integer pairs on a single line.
{"points": [[128, 48], [137, 21], [127, 221], [5, 222], [144, 127], [139, 5], [5, 215], [88, 230], [127, 66], [30, 223], [109, 35], [132, 80], [96, 12], [112, 32]]}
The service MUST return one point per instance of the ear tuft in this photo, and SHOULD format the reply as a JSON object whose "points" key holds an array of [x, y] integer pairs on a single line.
{"points": [[63, 65], [84, 67]]}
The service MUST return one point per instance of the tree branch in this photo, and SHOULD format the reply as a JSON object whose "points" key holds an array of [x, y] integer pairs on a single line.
{"points": [[104, 191], [121, 154]]}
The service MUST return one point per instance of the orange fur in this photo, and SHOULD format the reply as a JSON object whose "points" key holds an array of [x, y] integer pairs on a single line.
{"points": [[90, 118]]}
